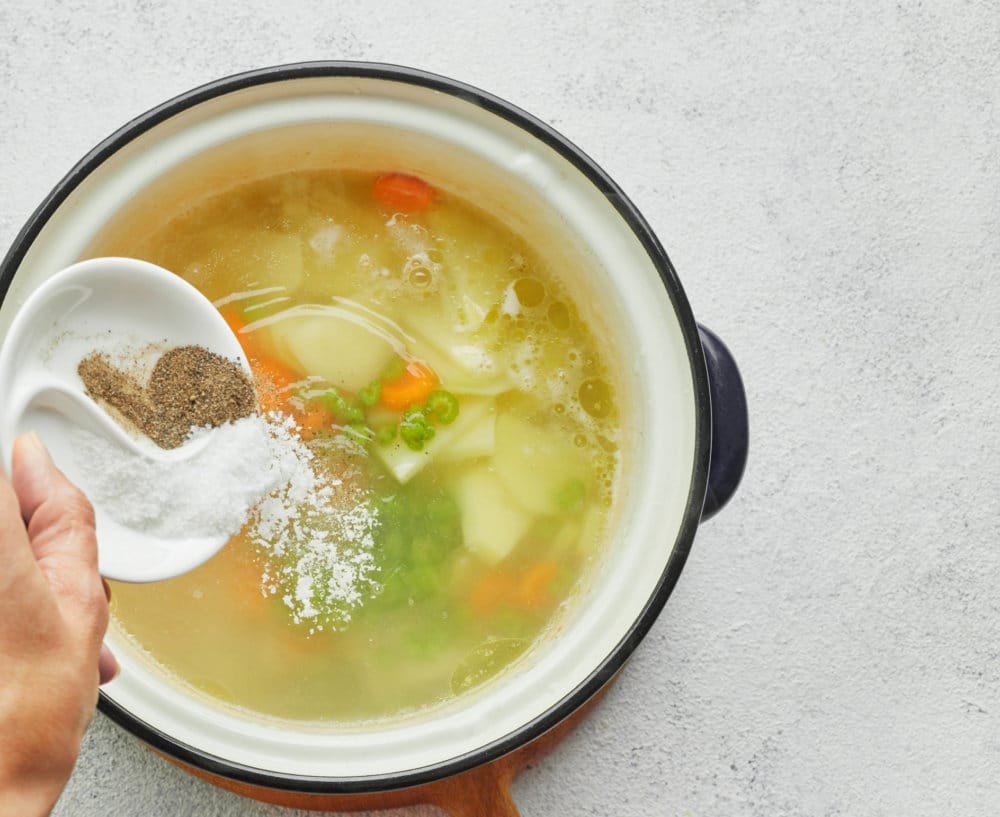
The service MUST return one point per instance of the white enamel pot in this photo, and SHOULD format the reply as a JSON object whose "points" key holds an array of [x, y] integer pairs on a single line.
{"points": [[681, 396]]}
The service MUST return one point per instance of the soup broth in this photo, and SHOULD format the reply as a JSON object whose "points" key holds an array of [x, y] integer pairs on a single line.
{"points": [[460, 412]]}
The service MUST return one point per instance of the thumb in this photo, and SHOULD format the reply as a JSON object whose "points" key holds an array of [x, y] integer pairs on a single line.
{"points": [[59, 519], [32, 473]]}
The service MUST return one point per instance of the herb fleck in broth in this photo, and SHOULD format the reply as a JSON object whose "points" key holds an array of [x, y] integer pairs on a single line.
{"points": [[439, 369]]}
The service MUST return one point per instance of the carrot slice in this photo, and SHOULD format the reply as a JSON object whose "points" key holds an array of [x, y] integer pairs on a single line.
{"points": [[272, 376], [234, 322], [273, 380], [311, 420], [403, 193], [267, 370], [533, 590], [413, 386], [493, 589]]}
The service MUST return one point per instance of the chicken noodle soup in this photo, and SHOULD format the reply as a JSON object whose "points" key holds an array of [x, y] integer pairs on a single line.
{"points": [[463, 431]]}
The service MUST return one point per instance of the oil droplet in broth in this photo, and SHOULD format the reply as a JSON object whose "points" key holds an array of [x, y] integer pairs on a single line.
{"points": [[595, 398]]}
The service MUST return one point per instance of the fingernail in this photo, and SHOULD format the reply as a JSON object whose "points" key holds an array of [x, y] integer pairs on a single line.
{"points": [[35, 446], [33, 462]]}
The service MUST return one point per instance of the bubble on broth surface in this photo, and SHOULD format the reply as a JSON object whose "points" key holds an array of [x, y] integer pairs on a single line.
{"points": [[595, 397], [420, 272], [530, 292]]}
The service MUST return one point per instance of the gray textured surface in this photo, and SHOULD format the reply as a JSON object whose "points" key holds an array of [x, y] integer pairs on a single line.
{"points": [[826, 178]]}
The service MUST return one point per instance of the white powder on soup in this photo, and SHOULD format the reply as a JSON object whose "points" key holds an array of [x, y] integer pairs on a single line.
{"points": [[316, 536], [313, 530]]}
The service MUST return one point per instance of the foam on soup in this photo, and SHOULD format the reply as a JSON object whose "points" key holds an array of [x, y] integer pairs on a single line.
{"points": [[457, 402]]}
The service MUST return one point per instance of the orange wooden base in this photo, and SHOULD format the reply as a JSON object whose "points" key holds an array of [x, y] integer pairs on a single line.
{"points": [[480, 792]]}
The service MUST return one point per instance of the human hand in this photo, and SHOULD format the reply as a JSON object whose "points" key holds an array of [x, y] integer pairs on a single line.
{"points": [[53, 614]]}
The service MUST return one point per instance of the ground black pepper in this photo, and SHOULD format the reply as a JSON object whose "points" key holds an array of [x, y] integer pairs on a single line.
{"points": [[189, 387]]}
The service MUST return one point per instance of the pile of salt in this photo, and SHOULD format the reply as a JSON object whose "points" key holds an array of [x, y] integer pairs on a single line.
{"points": [[313, 534]]}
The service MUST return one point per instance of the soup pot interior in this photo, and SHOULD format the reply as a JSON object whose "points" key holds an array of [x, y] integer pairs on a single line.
{"points": [[629, 292]]}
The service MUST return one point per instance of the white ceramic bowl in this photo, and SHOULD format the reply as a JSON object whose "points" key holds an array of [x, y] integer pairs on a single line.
{"points": [[634, 296]]}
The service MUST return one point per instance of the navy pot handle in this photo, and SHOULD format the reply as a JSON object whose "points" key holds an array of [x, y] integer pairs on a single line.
{"points": [[730, 425]]}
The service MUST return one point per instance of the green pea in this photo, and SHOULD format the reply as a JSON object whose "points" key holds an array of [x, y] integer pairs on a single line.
{"points": [[340, 408], [443, 405], [370, 394], [414, 430]]}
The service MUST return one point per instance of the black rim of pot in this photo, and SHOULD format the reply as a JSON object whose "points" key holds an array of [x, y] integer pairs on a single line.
{"points": [[602, 673]]}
